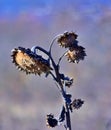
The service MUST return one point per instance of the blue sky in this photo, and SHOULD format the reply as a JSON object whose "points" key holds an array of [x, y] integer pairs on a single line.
{"points": [[14, 7]]}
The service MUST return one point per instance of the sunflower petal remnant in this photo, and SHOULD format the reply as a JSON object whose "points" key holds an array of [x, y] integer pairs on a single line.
{"points": [[28, 61], [51, 121]]}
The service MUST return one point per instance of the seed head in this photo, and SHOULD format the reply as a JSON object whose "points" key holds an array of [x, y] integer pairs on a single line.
{"points": [[75, 54], [77, 103], [67, 39], [51, 121], [27, 61]]}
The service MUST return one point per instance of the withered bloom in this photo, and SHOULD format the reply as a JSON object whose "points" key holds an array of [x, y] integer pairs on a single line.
{"points": [[51, 121], [67, 39], [77, 103], [75, 54], [27, 61]]}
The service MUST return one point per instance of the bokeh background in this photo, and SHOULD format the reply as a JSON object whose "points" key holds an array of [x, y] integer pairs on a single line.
{"points": [[26, 100]]}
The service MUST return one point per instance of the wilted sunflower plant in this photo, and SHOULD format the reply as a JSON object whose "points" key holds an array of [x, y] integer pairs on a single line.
{"points": [[31, 62]]}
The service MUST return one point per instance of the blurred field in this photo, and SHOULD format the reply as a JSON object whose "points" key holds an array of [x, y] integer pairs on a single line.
{"points": [[26, 100]]}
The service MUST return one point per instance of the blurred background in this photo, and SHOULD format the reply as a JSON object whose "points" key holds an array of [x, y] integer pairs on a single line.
{"points": [[26, 100]]}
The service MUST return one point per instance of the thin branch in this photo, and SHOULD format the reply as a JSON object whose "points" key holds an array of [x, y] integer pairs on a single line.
{"points": [[65, 126], [53, 76], [53, 43], [46, 52], [68, 119], [61, 57], [34, 48], [57, 86], [58, 80]]}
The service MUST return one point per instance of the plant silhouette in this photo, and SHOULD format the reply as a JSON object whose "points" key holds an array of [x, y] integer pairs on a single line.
{"points": [[31, 62]]}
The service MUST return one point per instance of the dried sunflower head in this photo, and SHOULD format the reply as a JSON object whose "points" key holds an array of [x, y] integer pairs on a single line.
{"points": [[67, 39], [51, 121], [75, 54], [77, 103], [27, 61]]}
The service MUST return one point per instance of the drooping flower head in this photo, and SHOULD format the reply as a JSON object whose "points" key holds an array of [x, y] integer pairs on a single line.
{"points": [[28, 61], [75, 52], [67, 39]]}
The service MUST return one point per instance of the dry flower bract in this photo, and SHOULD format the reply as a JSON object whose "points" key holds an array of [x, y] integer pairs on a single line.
{"points": [[67, 39], [75, 54], [77, 103], [27, 61], [69, 83]]}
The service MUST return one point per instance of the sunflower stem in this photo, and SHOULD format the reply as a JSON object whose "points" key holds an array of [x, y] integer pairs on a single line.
{"points": [[68, 120], [53, 43], [29, 61]]}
